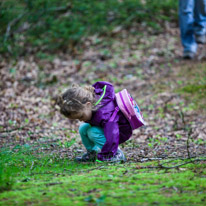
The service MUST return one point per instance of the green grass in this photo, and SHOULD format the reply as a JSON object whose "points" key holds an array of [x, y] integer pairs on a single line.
{"points": [[194, 87], [189, 82], [40, 179]]}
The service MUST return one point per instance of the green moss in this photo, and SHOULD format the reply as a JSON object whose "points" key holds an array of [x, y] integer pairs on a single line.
{"points": [[194, 89], [64, 182]]}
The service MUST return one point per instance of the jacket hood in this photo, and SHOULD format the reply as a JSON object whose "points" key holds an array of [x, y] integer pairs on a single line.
{"points": [[104, 96]]}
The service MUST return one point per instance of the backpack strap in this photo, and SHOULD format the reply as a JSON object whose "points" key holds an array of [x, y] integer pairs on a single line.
{"points": [[116, 108], [104, 91], [114, 114]]}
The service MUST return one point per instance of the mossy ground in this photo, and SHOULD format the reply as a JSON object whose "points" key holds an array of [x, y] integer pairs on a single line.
{"points": [[189, 81], [53, 181], [194, 89]]}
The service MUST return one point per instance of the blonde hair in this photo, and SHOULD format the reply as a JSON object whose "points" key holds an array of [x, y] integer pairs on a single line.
{"points": [[74, 98]]}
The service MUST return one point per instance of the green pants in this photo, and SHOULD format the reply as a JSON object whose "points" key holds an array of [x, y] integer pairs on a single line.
{"points": [[92, 137]]}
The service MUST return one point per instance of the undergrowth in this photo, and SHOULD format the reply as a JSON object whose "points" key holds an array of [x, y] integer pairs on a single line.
{"points": [[50, 25]]}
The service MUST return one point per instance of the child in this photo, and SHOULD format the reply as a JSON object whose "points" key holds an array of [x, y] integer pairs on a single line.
{"points": [[104, 129]]}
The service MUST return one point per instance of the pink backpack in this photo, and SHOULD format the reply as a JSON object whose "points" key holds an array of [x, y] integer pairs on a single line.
{"points": [[130, 109]]}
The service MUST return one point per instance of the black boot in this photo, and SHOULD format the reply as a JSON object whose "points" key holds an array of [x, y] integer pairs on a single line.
{"points": [[87, 157]]}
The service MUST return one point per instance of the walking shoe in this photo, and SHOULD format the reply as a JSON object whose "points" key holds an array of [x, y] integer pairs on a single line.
{"points": [[188, 55], [87, 157], [200, 39], [118, 157]]}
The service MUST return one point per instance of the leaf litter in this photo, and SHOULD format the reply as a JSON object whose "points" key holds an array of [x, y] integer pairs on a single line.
{"points": [[148, 66]]}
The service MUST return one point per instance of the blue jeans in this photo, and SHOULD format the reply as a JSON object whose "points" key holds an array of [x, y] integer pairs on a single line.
{"points": [[192, 19], [92, 137]]}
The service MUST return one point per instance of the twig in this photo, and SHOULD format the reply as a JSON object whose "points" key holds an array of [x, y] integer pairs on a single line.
{"points": [[54, 183], [44, 173], [188, 139], [166, 103], [12, 130], [11, 23], [95, 168], [17, 129], [147, 167], [16, 20], [181, 113], [32, 165], [177, 166], [170, 158], [62, 8], [150, 159], [188, 129], [160, 166]]}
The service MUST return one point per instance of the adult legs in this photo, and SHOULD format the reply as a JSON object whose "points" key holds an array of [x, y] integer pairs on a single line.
{"points": [[186, 20], [200, 18]]}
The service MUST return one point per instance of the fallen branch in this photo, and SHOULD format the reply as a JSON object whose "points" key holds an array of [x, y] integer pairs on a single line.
{"points": [[177, 166], [161, 166], [188, 129], [151, 159], [18, 129], [188, 139], [16, 20], [12, 23]]}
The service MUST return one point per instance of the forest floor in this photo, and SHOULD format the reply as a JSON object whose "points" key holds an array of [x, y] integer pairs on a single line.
{"points": [[170, 92]]}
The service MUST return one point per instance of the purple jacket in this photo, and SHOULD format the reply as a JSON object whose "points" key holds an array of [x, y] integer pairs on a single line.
{"points": [[116, 131]]}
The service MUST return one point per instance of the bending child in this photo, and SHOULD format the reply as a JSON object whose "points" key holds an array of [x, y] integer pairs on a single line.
{"points": [[104, 128]]}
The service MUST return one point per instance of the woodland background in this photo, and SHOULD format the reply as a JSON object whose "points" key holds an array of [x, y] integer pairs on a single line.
{"points": [[45, 46]]}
